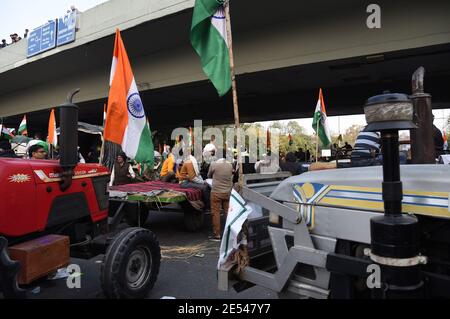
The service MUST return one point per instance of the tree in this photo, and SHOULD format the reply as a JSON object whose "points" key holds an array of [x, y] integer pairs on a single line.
{"points": [[352, 133]]}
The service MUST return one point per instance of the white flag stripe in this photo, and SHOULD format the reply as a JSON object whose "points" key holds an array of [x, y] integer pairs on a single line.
{"points": [[113, 70], [134, 128], [219, 22]]}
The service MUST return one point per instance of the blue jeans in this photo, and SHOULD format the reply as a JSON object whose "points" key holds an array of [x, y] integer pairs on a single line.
{"points": [[206, 191], [403, 158]]}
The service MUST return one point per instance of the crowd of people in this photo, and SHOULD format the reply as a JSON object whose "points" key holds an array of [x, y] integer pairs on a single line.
{"points": [[367, 150], [14, 39], [216, 175], [214, 178]]}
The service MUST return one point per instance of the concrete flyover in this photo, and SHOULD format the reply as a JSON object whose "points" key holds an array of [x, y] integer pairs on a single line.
{"points": [[284, 52]]}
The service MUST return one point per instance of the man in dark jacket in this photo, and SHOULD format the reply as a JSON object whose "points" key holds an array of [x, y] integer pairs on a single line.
{"points": [[290, 164], [5, 149], [438, 141], [122, 172]]}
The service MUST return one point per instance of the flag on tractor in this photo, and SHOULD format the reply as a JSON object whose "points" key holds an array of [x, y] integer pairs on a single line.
{"points": [[320, 123], [269, 145], [52, 137], [6, 133], [23, 126], [444, 136], [291, 141], [191, 138], [126, 123], [209, 39]]}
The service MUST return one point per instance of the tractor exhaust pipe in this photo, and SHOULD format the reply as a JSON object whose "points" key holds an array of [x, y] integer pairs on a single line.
{"points": [[68, 139]]}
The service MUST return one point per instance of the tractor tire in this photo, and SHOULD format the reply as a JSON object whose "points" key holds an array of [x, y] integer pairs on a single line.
{"points": [[9, 271], [131, 264]]}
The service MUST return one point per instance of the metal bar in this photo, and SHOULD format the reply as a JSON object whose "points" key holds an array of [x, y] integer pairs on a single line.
{"points": [[257, 176], [115, 220], [347, 265], [272, 205]]}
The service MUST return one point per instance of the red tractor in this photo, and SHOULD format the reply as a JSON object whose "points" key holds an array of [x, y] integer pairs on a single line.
{"points": [[42, 197]]}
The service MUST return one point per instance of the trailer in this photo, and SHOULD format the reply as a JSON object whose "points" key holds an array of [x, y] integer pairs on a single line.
{"points": [[134, 202]]}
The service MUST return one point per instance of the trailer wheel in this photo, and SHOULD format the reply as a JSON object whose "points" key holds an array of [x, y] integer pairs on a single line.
{"points": [[193, 219], [131, 264]]}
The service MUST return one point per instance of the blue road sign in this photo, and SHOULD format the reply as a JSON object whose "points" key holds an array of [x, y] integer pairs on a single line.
{"points": [[67, 28], [34, 42], [48, 39], [42, 39]]}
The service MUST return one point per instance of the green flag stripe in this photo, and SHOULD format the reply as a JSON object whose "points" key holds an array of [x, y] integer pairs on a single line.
{"points": [[322, 134], [210, 46], [145, 152]]}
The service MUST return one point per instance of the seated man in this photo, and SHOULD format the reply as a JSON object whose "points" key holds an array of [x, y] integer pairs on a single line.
{"points": [[268, 164], [367, 148], [290, 164], [5, 150], [122, 172], [167, 173], [189, 176], [37, 151]]}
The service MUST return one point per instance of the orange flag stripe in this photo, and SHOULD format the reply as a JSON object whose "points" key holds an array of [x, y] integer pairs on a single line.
{"points": [[117, 114], [52, 128], [322, 103]]}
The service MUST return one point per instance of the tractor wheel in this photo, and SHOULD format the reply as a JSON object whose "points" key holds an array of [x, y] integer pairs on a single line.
{"points": [[9, 270], [131, 264]]}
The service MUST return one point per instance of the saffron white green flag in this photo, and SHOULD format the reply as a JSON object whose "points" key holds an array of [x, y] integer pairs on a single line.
{"points": [[320, 122], [5, 132], [23, 126], [126, 123], [209, 39], [238, 213]]}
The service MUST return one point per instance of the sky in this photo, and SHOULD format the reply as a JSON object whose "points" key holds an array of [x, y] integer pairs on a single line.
{"points": [[18, 15], [338, 124]]}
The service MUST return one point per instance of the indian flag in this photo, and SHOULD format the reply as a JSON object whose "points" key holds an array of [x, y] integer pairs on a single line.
{"points": [[126, 123], [23, 126], [320, 123], [52, 137], [444, 136], [5, 132], [209, 39]]}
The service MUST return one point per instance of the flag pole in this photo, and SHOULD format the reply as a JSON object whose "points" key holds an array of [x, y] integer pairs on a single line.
{"points": [[317, 142], [102, 149], [234, 89]]}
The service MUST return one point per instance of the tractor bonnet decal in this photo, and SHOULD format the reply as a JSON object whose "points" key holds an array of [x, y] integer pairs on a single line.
{"points": [[19, 178], [308, 194]]}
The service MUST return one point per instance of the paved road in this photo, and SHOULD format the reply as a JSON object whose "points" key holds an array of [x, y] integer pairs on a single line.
{"points": [[189, 278]]}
